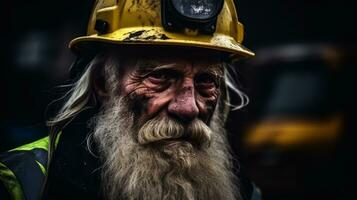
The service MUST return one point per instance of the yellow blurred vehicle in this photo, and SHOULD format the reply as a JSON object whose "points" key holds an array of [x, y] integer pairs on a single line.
{"points": [[300, 111]]}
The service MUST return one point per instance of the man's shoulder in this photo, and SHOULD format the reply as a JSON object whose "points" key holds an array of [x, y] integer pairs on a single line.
{"points": [[23, 169], [36, 151]]}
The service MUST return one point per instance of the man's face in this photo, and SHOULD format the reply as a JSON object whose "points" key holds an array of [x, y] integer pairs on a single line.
{"points": [[159, 130], [174, 86], [184, 88]]}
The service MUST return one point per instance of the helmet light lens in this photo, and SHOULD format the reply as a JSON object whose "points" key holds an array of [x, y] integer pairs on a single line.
{"points": [[198, 9]]}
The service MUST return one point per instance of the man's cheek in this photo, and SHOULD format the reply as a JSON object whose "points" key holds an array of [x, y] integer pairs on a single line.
{"points": [[137, 104], [146, 103], [206, 107], [157, 103]]}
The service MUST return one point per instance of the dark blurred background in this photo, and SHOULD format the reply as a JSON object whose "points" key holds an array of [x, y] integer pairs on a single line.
{"points": [[296, 138]]}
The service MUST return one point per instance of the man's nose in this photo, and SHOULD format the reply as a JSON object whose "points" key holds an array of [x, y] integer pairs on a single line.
{"points": [[183, 106]]}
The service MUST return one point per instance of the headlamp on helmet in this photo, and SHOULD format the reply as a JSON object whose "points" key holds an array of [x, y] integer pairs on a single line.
{"points": [[201, 15]]}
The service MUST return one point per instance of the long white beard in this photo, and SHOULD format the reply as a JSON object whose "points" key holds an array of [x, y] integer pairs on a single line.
{"points": [[135, 171]]}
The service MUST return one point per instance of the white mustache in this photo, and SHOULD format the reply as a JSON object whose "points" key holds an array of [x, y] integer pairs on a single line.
{"points": [[163, 128]]}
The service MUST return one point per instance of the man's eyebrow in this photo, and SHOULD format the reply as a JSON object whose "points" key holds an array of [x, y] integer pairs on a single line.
{"points": [[214, 70], [147, 65], [167, 66]]}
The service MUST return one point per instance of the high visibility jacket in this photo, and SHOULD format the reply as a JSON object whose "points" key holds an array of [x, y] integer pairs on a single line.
{"points": [[23, 170]]}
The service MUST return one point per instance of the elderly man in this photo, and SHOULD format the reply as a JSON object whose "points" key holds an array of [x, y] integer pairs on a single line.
{"points": [[145, 118]]}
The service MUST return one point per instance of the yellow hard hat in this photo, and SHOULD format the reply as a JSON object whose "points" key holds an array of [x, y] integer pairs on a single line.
{"points": [[208, 24]]}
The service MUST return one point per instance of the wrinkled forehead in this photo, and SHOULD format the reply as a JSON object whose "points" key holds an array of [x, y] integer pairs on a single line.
{"points": [[165, 56], [177, 63]]}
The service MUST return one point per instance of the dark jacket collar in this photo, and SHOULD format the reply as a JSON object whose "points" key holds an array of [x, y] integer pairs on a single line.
{"points": [[74, 172]]}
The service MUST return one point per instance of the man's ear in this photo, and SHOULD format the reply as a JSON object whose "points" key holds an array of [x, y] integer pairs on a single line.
{"points": [[99, 84]]}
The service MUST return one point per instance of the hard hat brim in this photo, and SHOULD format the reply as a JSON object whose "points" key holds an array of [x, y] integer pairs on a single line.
{"points": [[158, 36]]}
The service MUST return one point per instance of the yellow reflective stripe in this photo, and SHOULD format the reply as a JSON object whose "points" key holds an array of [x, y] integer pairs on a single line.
{"points": [[58, 138], [10, 182], [43, 169], [42, 143]]}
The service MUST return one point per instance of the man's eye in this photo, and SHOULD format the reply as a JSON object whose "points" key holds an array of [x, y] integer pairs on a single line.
{"points": [[206, 80], [159, 76]]}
